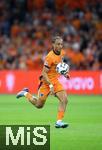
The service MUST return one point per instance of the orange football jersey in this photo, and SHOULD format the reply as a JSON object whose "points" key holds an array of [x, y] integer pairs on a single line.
{"points": [[51, 61]]}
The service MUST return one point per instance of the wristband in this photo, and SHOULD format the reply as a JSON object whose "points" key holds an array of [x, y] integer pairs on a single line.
{"points": [[50, 86]]}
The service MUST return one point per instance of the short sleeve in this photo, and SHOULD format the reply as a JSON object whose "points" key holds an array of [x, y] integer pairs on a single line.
{"points": [[48, 62]]}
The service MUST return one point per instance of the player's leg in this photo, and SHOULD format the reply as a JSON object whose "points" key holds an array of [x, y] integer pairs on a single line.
{"points": [[62, 96], [37, 102]]}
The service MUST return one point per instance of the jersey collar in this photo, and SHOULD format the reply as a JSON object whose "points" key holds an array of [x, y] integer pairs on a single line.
{"points": [[56, 52]]}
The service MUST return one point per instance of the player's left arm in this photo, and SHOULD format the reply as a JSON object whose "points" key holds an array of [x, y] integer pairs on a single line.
{"points": [[67, 75]]}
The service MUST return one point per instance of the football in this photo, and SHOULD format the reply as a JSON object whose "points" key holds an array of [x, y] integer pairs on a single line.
{"points": [[62, 68]]}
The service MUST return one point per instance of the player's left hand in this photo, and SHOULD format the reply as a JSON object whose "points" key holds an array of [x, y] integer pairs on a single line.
{"points": [[67, 75]]}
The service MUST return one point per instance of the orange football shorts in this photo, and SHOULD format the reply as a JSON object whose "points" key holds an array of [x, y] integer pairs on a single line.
{"points": [[44, 90]]}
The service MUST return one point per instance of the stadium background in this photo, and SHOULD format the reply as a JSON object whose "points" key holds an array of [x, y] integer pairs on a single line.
{"points": [[26, 29]]}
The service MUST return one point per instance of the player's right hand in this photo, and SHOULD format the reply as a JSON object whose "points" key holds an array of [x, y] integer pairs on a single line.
{"points": [[51, 89]]}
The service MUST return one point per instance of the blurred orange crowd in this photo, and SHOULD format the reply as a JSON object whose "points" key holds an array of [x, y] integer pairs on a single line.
{"points": [[26, 29]]}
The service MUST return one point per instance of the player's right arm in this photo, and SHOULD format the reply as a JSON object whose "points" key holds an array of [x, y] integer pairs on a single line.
{"points": [[45, 76], [46, 68]]}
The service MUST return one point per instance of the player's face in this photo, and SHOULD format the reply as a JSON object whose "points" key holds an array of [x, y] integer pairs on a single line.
{"points": [[58, 45]]}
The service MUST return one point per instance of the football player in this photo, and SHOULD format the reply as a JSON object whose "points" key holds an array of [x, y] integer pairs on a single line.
{"points": [[49, 83]]}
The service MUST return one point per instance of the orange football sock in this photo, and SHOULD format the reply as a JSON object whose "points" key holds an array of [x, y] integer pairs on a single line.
{"points": [[28, 96], [60, 115]]}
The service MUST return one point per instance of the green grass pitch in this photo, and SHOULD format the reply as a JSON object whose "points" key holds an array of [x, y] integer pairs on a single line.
{"points": [[84, 115]]}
